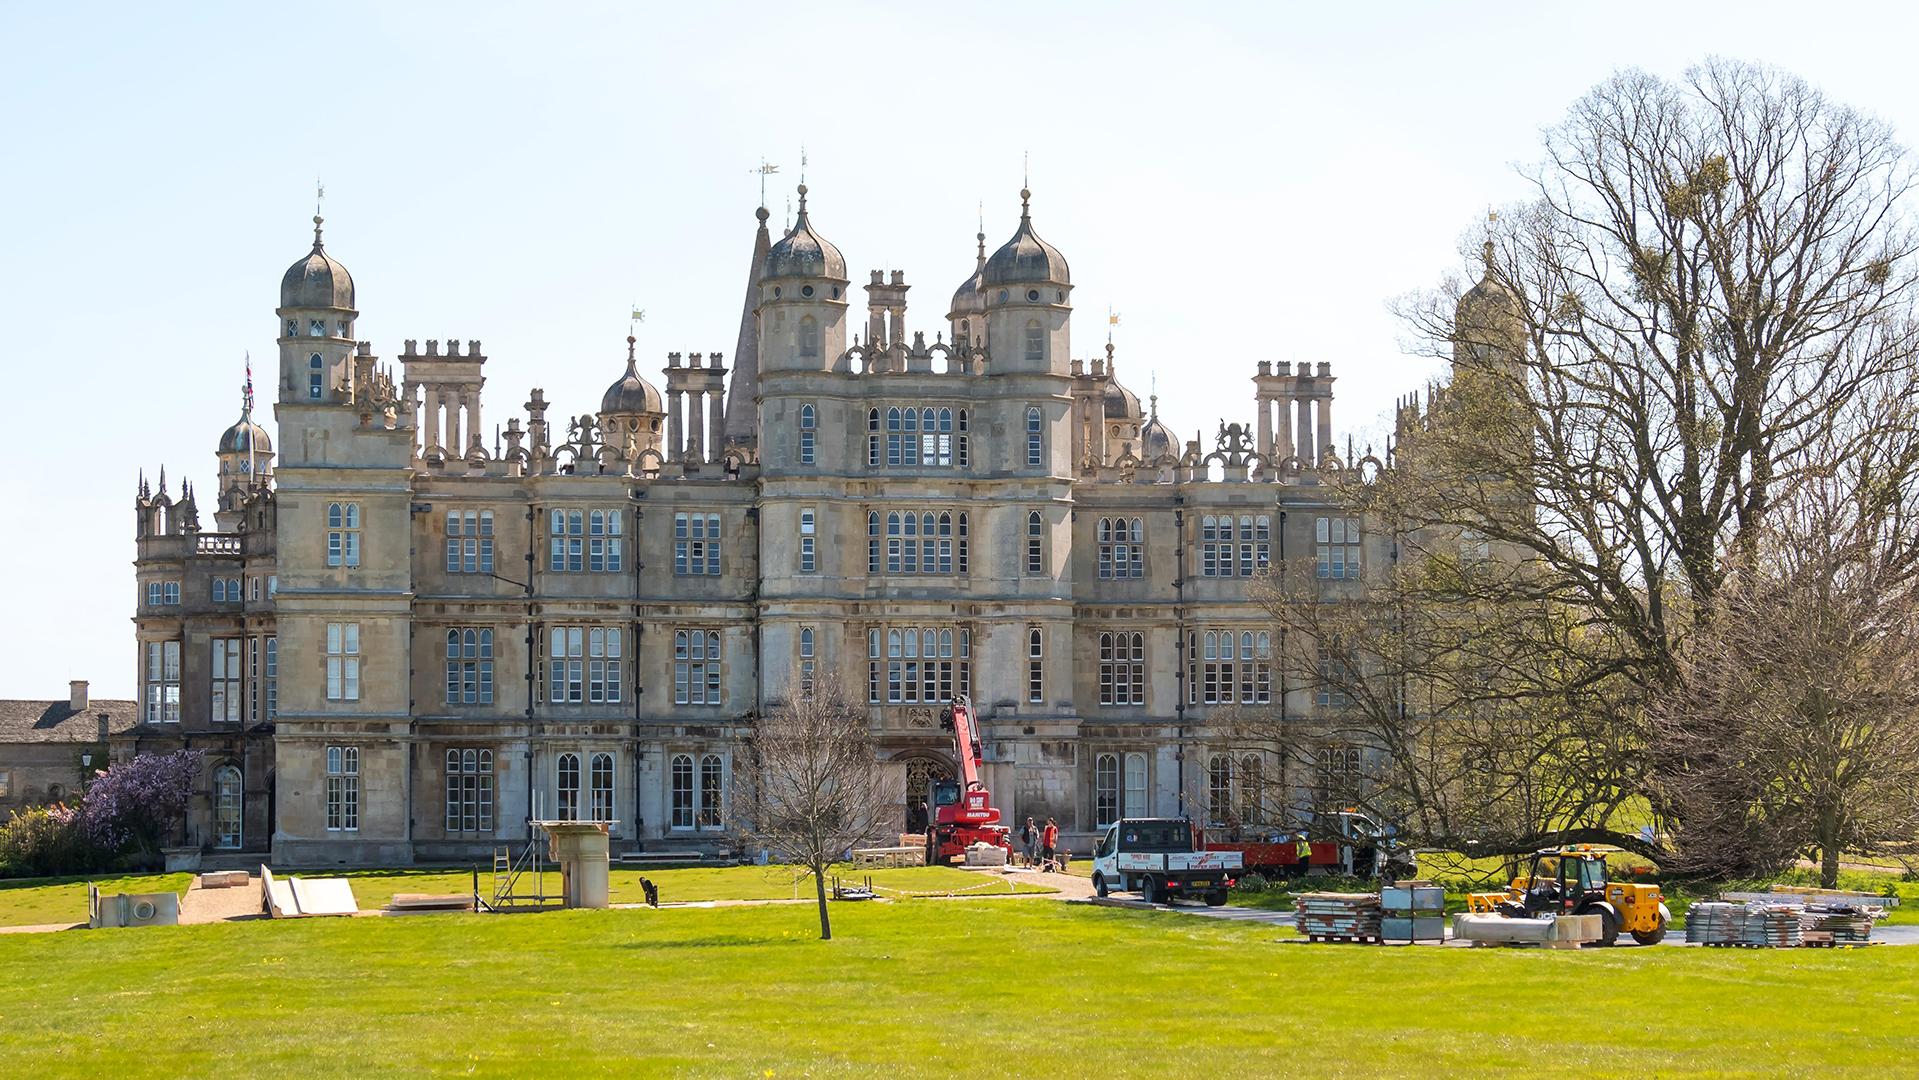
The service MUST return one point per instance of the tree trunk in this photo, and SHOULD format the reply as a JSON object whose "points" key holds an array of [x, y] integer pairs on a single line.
{"points": [[826, 921], [1829, 846]]}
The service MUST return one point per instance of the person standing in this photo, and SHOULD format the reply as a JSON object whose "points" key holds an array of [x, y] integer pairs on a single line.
{"points": [[1048, 840], [1029, 839]]}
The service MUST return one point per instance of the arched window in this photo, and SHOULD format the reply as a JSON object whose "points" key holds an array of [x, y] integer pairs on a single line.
{"points": [[1252, 790], [226, 807], [1035, 538], [806, 662], [682, 791], [1035, 340], [1035, 666], [963, 449], [810, 337], [1219, 789], [872, 541], [712, 788], [602, 781], [806, 434], [1105, 790], [316, 328], [872, 437], [567, 805], [315, 376], [1035, 438]]}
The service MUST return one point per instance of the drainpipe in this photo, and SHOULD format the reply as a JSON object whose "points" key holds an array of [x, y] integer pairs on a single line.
{"points": [[1179, 649]]}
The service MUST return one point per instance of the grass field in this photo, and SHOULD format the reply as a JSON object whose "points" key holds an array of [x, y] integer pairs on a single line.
{"points": [[932, 988], [37, 901]]}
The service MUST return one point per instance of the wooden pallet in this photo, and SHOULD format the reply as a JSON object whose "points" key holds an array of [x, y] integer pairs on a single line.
{"points": [[1342, 939]]}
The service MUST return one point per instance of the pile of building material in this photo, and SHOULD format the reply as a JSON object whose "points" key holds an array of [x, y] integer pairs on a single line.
{"points": [[1337, 916], [291, 898], [426, 903], [1830, 924], [1545, 931], [1753, 926], [1413, 911], [225, 879], [984, 854]]}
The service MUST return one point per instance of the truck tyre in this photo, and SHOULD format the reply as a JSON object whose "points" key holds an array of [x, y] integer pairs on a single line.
{"points": [[1651, 937], [1608, 927], [1149, 891], [1099, 885], [1216, 898]]}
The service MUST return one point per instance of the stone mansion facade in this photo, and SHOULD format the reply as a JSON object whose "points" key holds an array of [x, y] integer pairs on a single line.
{"points": [[406, 636]]}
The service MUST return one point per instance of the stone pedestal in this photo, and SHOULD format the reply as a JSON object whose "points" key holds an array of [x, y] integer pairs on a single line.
{"points": [[182, 859], [580, 847]]}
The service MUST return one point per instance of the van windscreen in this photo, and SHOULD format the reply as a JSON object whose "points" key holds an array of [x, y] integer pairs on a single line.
{"points": [[1155, 836]]}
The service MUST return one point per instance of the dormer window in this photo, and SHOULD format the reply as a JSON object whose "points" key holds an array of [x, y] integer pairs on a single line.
{"points": [[316, 328]]}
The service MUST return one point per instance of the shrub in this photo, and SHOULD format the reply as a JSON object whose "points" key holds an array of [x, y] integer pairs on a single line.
{"points": [[1252, 883], [135, 804], [45, 841]]}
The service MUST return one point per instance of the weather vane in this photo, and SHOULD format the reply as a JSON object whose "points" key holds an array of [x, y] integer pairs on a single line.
{"points": [[1112, 320], [319, 195], [637, 318], [765, 171]]}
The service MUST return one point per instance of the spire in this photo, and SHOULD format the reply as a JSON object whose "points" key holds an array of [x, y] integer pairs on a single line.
{"points": [[163, 481], [742, 416]]}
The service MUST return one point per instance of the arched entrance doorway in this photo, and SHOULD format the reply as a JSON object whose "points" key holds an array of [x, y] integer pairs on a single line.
{"points": [[920, 774]]}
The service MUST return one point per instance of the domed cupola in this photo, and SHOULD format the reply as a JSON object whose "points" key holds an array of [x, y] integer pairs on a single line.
{"points": [[803, 253], [631, 410], [1155, 439], [969, 302], [632, 394], [317, 281], [1121, 403], [245, 437], [1486, 326], [1026, 259]]}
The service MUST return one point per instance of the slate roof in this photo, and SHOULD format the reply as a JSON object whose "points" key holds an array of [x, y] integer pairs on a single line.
{"points": [[56, 722]]}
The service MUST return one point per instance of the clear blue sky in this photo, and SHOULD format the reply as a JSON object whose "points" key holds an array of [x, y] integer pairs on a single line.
{"points": [[1241, 183]]}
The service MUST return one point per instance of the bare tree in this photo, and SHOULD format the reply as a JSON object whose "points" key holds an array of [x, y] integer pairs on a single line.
{"points": [[1796, 727], [1466, 737], [1709, 302], [811, 789]]}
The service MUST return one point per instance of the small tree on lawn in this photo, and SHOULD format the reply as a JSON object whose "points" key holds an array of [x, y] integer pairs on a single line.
{"points": [[810, 789], [135, 804]]}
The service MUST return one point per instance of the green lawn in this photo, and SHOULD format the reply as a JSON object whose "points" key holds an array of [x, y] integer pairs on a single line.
{"points": [[38, 901], [1013, 988]]}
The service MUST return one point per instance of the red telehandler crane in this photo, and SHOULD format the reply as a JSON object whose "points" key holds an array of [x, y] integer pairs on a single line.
{"points": [[962, 810]]}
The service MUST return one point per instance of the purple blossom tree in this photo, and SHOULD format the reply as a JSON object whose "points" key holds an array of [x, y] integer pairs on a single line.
{"points": [[136, 803]]}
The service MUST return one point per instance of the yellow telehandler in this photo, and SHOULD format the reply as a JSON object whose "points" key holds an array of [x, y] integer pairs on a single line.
{"points": [[1571, 880]]}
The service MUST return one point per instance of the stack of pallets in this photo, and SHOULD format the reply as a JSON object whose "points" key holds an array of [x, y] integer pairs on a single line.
{"points": [[1752, 926], [1830, 924], [1337, 916]]}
